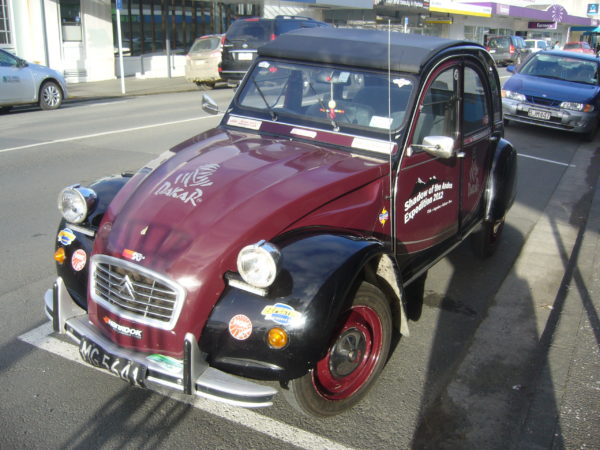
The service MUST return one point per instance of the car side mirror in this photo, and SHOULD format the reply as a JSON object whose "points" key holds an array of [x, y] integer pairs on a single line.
{"points": [[209, 106], [440, 146], [22, 63], [510, 68]]}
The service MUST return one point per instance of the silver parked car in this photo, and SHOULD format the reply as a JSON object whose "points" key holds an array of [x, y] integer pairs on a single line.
{"points": [[22, 82], [202, 61]]}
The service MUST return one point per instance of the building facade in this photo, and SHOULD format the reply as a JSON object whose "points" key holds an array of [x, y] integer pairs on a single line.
{"points": [[80, 38]]}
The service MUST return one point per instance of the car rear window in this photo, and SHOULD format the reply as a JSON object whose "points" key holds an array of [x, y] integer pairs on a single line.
{"points": [[283, 26], [498, 42], [571, 46], [205, 44], [249, 31]]}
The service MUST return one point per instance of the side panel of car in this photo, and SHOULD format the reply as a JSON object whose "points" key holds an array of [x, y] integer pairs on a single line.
{"points": [[16, 85], [318, 274]]}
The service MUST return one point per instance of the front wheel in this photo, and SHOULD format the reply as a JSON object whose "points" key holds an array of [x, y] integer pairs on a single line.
{"points": [[50, 95], [355, 358]]}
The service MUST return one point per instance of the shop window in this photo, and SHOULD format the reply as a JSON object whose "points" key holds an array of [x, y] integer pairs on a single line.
{"points": [[5, 36], [70, 17]]}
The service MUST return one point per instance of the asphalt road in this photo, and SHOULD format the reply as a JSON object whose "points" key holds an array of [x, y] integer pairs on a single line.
{"points": [[49, 400]]}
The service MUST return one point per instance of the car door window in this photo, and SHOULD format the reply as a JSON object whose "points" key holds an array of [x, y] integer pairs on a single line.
{"points": [[437, 116], [475, 108]]}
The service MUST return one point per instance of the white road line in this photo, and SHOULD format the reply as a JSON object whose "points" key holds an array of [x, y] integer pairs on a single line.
{"points": [[40, 337], [546, 160], [105, 133]]}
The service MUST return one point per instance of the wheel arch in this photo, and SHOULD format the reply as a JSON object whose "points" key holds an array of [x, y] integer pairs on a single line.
{"points": [[319, 275], [501, 185], [55, 81]]}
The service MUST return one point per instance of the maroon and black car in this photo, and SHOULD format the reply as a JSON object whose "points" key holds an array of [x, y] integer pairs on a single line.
{"points": [[280, 245]]}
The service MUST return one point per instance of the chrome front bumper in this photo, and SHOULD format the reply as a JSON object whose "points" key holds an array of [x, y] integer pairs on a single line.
{"points": [[574, 121], [192, 375]]}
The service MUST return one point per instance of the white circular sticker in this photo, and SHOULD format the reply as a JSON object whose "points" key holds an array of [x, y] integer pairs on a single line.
{"points": [[240, 327], [78, 260]]}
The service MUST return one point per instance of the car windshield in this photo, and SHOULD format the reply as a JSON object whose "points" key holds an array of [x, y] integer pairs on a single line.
{"points": [[572, 46], [205, 44], [562, 68], [328, 97]]}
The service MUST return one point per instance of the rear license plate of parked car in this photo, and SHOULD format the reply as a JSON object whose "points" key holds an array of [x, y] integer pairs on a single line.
{"points": [[244, 56], [95, 355], [537, 114]]}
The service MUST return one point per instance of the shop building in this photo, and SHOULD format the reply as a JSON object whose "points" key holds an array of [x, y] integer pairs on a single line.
{"points": [[79, 37]]}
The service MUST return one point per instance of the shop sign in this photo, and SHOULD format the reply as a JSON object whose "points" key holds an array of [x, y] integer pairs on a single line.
{"points": [[592, 9], [542, 25]]}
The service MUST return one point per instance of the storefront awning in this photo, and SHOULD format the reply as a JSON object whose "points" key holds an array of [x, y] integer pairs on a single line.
{"points": [[466, 9]]}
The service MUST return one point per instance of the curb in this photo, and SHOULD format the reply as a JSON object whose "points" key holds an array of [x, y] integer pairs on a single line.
{"points": [[486, 402]]}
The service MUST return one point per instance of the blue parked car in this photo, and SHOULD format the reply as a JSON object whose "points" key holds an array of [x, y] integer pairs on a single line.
{"points": [[555, 89]]}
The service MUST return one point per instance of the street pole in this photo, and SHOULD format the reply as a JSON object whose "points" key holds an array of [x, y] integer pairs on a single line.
{"points": [[120, 40]]}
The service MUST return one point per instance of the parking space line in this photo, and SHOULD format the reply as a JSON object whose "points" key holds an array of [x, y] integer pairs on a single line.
{"points": [[546, 160], [105, 133], [41, 337]]}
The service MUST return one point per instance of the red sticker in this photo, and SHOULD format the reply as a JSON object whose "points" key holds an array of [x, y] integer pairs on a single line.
{"points": [[78, 260], [240, 327]]}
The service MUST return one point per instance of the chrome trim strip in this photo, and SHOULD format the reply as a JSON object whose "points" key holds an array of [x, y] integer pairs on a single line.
{"points": [[80, 229]]}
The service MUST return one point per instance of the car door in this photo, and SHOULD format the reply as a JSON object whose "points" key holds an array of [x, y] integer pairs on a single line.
{"points": [[427, 187], [16, 80], [476, 133]]}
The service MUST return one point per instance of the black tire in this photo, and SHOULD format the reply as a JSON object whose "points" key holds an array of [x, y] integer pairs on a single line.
{"points": [[356, 356], [5, 109], [51, 95], [506, 122], [485, 241], [205, 85]]}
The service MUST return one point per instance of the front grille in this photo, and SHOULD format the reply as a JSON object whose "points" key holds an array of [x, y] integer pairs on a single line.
{"points": [[134, 292], [543, 101]]}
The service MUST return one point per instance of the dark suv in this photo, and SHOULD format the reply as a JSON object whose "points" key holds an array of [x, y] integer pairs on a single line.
{"points": [[245, 36], [507, 49]]}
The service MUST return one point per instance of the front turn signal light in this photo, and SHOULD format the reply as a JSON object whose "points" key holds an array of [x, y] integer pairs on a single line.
{"points": [[59, 255], [277, 338]]}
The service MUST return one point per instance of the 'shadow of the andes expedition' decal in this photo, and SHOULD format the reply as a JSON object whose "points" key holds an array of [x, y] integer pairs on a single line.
{"points": [[425, 194], [186, 185]]}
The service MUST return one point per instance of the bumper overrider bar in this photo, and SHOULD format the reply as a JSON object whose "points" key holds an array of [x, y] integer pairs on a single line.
{"points": [[192, 375]]}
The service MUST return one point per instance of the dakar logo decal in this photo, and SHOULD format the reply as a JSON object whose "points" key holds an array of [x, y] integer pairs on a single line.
{"points": [[474, 184], [425, 194], [186, 185]]}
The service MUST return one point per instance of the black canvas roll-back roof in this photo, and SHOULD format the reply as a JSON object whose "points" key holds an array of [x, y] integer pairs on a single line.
{"points": [[359, 48]]}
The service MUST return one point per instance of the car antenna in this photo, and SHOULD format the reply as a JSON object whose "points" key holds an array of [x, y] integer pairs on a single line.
{"points": [[389, 64]]}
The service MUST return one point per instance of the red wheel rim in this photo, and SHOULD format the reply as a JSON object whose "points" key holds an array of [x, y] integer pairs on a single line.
{"points": [[353, 356]]}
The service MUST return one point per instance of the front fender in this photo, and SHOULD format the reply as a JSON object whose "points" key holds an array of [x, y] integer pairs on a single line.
{"points": [[315, 285], [78, 240], [501, 188]]}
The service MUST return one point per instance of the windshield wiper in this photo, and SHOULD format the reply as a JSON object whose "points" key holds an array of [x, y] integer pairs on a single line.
{"points": [[333, 122], [271, 112]]}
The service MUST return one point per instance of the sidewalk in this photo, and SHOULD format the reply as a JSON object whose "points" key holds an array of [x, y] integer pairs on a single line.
{"points": [[538, 387], [133, 86]]}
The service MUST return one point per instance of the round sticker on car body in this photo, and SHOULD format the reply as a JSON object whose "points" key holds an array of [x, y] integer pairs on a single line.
{"points": [[78, 260], [240, 327]]}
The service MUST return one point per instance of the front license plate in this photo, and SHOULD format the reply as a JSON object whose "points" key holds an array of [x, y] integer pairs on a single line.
{"points": [[245, 56], [95, 355], [537, 114]]}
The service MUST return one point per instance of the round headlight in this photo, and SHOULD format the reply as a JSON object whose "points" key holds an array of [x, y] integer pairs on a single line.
{"points": [[74, 203], [258, 264]]}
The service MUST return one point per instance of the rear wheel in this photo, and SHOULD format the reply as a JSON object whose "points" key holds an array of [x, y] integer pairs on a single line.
{"points": [[5, 109], [50, 95], [485, 241], [355, 358]]}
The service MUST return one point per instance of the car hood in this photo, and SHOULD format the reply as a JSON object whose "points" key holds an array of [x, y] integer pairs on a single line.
{"points": [[223, 190], [552, 89]]}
